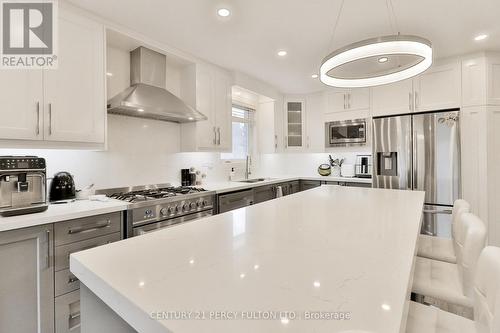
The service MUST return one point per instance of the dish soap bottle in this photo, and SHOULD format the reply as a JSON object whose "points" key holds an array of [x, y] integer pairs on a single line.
{"points": [[232, 175]]}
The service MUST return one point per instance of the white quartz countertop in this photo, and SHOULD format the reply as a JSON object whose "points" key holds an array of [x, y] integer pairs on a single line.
{"points": [[83, 208], [62, 212], [313, 251], [230, 186]]}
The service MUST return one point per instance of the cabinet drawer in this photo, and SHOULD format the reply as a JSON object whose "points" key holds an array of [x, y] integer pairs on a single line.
{"points": [[62, 252], [66, 282], [87, 227], [67, 309]]}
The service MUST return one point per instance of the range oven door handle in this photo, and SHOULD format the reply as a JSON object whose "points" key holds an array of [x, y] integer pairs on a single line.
{"points": [[150, 227]]}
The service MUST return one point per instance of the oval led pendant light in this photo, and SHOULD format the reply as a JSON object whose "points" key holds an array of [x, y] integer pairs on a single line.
{"points": [[376, 61]]}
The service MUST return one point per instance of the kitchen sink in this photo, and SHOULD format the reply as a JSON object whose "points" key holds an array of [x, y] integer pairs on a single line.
{"points": [[255, 180]]}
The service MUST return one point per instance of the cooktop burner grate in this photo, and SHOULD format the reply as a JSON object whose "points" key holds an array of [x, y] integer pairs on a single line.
{"points": [[157, 193]]}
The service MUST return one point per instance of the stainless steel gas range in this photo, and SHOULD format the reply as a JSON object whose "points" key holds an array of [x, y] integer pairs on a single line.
{"points": [[155, 207]]}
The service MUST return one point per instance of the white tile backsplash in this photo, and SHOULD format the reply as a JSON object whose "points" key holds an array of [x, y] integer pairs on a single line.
{"points": [[142, 151]]}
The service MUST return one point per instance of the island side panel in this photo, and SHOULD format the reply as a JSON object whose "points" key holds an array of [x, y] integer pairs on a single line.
{"points": [[98, 317]]}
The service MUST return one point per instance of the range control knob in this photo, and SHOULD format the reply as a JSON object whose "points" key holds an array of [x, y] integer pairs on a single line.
{"points": [[171, 210], [164, 211], [178, 209], [185, 207], [204, 203], [193, 205], [199, 204]]}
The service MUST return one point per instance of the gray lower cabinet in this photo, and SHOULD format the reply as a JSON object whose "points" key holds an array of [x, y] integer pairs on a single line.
{"points": [[309, 184], [293, 187], [350, 184], [235, 200], [27, 280], [359, 184], [73, 236], [264, 193]]}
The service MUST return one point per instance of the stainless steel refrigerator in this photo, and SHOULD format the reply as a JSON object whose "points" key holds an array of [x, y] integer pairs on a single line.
{"points": [[421, 152]]}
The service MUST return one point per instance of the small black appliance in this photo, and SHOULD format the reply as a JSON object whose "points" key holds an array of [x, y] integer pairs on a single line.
{"points": [[62, 187]]}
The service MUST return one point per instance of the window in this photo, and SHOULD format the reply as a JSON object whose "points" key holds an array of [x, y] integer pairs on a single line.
{"points": [[242, 132]]}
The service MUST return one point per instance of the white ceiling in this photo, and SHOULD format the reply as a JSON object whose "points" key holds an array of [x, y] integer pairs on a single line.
{"points": [[257, 29]]}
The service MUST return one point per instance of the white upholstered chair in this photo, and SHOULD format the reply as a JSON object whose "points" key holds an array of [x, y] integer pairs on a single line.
{"points": [[444, 249], [452, 283], [486, 295]]}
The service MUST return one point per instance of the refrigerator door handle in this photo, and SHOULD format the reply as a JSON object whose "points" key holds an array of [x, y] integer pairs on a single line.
{"points": [[414, 162]]}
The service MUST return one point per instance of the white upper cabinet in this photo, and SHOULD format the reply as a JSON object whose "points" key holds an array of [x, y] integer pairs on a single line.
{"points": [[337, 100], [213, 99], [438, 88], [267, 138], [395, 98], [223, 114], [493, 75], [205, 131], [22, 102], [66, 104], [340, 100], [75, 107], [475, 71], [295, 123], [315, 123]]}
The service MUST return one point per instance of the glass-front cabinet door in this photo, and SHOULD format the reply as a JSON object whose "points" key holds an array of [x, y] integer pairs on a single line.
{"points": [[294, 110]]}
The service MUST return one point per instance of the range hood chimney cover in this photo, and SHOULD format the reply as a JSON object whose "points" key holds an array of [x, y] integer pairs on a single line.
{"points": [[147, 97]]}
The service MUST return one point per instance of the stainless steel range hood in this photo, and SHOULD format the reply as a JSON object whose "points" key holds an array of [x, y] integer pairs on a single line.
{"points": [[147, 97]]}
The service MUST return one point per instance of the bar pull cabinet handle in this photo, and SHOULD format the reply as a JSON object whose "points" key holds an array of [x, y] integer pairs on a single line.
{"points": [[410, 101], [73, 279], [348, 100], [74, 315], [215, 136], [416, 100], [218, 132], [37, 118], [275, 141], [435, 211], [79, 230], [47, 232], [50, 118], [345, 102]]}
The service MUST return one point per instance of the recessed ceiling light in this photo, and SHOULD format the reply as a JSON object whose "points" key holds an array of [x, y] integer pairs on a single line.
{"points": [[223, 12], [140, 110], [383, 59], [480, 37], [317, 284], [282, 53], [109, 74], [314, 76], [190, 118]]}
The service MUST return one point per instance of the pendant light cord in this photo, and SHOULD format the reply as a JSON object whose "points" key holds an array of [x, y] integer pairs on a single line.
{"points": [[335, 27], [392, 15]]}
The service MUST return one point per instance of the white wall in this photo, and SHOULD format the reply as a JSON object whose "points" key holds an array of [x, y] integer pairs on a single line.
{"points": [[300, 164]]}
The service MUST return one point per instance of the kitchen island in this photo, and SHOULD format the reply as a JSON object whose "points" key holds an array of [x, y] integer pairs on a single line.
{"points": [[331, 259]]}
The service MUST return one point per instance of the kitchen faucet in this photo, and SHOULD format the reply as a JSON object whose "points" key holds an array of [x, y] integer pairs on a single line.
{"points": [[248, 172]]}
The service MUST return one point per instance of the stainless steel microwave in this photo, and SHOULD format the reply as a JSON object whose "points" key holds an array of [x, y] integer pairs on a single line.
{"points": [[345, 133]]}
